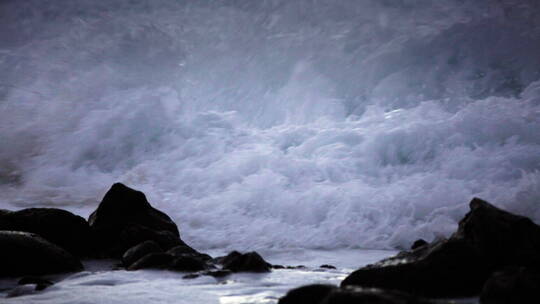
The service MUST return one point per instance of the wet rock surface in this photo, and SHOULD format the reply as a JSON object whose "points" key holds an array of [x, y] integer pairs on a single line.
{"points": [[24, 253], [61, 227], [329, 294], [244, 262], [487, 240]]}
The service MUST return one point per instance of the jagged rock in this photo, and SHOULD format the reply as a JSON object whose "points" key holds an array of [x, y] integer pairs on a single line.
{"points": [[124, 218], [63, 228], [512, 285], [135, 253], [246, 262], [24, 253], [487, 239], [312, 294], [156, 260], [329, 294]]}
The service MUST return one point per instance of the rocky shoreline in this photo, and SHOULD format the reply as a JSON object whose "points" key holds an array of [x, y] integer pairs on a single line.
{"points": [[494, 254]]}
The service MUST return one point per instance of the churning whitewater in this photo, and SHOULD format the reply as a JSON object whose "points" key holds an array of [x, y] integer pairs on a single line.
{"points": [[274, 124]]}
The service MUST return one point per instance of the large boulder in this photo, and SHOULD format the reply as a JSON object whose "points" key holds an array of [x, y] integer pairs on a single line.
{"points": [[58, 226], [244, 262], [487, 239], [23, 253], [125, 218]]}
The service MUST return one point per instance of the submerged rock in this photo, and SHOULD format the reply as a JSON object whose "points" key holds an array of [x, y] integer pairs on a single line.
{"points": [[329, 294], [512, 285], [125, 218], [487, 239], [61, 227], [23, 253]]}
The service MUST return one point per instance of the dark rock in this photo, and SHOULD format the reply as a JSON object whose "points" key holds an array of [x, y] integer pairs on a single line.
{"points": [[40, 283], [278, 266], [487, 239], [512, 285], [296, 267], [326, 266], [137, 252], [191, 276], [63, 228], [312, 294], [158, 260], [218, 273], [124, 218], [355, 295], [247, 262], [449, 268], [418, 243], [227, 258], [500, 237], [185, 250], [24, 253], [188, 263], [135, 234], [329, 294]]}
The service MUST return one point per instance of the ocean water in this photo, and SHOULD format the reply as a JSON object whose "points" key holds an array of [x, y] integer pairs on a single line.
{"points": [[273, 124], [95, 285]]}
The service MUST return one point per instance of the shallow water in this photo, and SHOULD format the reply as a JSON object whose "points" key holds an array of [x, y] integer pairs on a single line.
{"points": [[96, 285]]}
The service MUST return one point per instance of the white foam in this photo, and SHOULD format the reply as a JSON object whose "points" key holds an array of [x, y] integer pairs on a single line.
{"points": [[273, 127]]}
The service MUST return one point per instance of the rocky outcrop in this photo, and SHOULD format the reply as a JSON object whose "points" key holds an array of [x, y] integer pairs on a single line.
{"points": [[125, 218], [63, 228], [23, 253], [487, 239]]}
